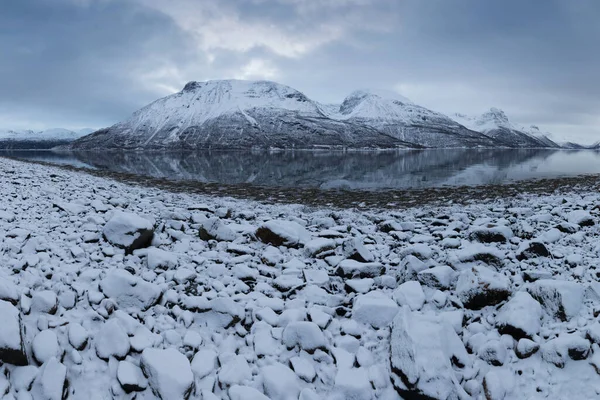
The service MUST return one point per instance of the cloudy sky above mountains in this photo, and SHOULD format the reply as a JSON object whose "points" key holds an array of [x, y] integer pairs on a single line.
{"points": [[91, 63]]}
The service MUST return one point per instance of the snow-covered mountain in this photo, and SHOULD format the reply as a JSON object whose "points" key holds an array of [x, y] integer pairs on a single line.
{"points": [[399, 117], [264, 114], [495, 123], [28, 139], [235, 114]]}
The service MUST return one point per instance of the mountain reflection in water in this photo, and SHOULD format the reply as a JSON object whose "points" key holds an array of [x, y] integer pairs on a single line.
{"points": [[331, 170]]}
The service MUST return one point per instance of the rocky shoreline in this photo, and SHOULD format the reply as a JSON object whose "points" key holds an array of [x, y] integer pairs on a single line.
{"points": [[109, 290]]}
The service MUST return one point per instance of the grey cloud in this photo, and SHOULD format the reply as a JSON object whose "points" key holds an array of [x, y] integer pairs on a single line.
{"points": [[92, 62]]}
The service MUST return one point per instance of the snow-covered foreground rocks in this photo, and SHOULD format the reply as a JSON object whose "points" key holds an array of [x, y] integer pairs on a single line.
{"points": [[231, 299]]}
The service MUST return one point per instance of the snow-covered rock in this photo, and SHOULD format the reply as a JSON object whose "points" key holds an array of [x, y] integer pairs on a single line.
{"points": [[561, 299], [307, 335], [169, 373], [215, 229], [479, 287], [439, 277], [131, 377], [422, 348], [410, 294], [157, 258], [374, 309], [50, 381], [520, 317], [129, 291], [128, 231], [11, 342], [280, 382], [112, 341], [45, 346], [283, 233]]}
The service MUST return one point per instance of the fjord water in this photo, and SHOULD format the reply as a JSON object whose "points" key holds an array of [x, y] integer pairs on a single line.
{"points": [[338, 170]]}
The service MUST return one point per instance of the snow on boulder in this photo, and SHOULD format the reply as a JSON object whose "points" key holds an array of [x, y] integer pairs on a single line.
{"points": [[160, 259], [45, 346], [491, 234], [169, 373], [561, 299], [235, 371], [374, 309], [50, 381], [128, 231], [112, 341], [280, 382], [129, 291], [526, 348], [478, 287], [411, 294], [237, 392], [355, 269], [44, 301], [204, 362], [440, 277], [131, 377], [520, 316], [8, 291], [319, 247], [581, 218], [480, 252], [78, 336], [355, 249], [353, 384], [283, 233], [215, 229], [307, 335], [529, 250], [567, 345], [422, 351], [11, 341], [498, 384]]}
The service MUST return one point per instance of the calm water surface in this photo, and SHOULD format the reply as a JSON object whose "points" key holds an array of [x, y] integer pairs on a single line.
{"points": [[332, 170]]}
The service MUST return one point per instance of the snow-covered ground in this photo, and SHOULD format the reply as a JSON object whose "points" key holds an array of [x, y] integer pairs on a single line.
{"points": [[112, 291]]}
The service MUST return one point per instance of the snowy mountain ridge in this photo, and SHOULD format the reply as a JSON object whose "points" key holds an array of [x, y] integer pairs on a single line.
{"points": [[266, 114], [48, 134], [495, 123]]}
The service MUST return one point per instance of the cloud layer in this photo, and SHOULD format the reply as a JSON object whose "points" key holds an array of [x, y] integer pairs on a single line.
{"points": [[78, 63]]}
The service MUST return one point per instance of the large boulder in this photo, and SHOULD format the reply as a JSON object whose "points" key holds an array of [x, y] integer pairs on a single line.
{"points": [[11, 340], [169, 373], [283, 233], [128, 231], [561, 299], [478, 287], [130, 291], [520, 316], [423, 351]]}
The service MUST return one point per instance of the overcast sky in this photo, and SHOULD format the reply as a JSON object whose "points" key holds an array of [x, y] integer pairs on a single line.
{"points": [[91, 63]]}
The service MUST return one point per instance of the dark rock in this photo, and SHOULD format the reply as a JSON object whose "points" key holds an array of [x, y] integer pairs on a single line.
{"points": [[535, 249]]}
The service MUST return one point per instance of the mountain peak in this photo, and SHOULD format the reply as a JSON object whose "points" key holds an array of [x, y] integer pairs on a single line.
{"points": [[495, 114]]}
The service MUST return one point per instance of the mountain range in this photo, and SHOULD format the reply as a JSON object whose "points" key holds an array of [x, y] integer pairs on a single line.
{"points": [[237, 114], [39, 140]]}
